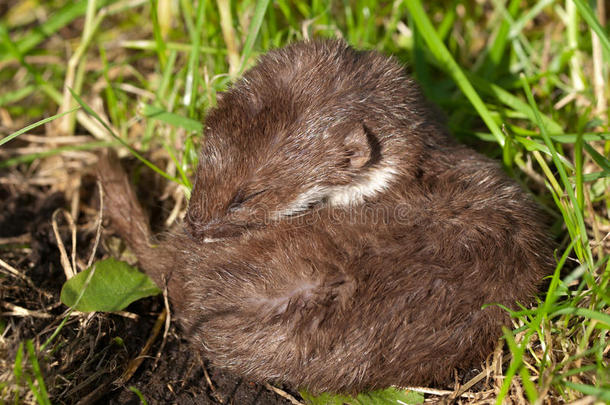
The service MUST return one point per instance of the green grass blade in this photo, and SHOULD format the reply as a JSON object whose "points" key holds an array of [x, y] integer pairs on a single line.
{"points": [[598, 158], [160, 48], [111, 98], [120, 140], [54, 151], [35, 391], [185, 181], [139, 394], [59, 19], [17, 54], [552, 296], [18, 370], [444, 57], [578, 163], [42, 396], [192, 73], [587, 137], [515, 363], [176, 120], [186, 7], [512, 101], [161, 93], [586, 313], [532, 145], [254, 28], [391, 27], [530, 388], [18, 364], [17, 95], [498, 47], [586, 251], [444, 28], [520, 23], [586, 13], [146, 45], [589, 177], [34, 125], [599, 392]]}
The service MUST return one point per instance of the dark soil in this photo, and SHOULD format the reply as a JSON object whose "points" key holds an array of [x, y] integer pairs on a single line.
{"points": [[92, 351]]}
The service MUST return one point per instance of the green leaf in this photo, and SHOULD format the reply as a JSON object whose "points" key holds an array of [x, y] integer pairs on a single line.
{"points": [[176, 120], [113, 286], [326, 399], [389, 396]]}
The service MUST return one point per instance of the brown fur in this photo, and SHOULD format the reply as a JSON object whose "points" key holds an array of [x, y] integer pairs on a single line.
{"points": [[276, 279]]}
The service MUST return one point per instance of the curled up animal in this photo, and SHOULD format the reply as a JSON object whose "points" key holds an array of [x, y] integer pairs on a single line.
{"points": [[337, 238]]}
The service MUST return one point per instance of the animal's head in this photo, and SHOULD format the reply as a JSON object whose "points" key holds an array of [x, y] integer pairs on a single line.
{"points": [[313, 123]]}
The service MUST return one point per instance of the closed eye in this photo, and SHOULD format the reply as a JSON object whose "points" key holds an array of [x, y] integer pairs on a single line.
{"points": [[240, 198]]}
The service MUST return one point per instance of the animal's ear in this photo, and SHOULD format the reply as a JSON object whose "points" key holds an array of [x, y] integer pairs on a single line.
{"points": [[360, 145]]}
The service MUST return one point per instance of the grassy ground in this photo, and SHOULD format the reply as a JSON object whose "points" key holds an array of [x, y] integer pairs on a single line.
{"points": [[524, 82]]}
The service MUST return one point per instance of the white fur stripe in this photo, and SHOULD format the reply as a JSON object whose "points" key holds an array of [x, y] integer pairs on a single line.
{"points": [[373, 182]]}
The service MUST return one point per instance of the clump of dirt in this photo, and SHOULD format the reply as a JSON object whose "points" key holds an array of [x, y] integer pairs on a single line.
{"points": [[83, 363]]}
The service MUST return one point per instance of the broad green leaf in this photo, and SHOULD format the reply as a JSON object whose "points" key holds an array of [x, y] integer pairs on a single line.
{"points": [[113, 286], [326, 399], [389, 396]]}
